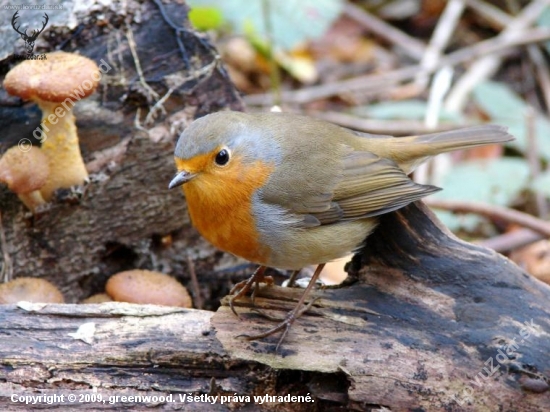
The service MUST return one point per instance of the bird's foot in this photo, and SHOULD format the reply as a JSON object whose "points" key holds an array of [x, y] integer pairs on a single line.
{"points": [[284, 325], [292, 279], [294, 314], [242, 288]]}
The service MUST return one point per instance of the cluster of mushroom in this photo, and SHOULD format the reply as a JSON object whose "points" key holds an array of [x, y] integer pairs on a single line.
{"points": [[133, 286], [30, 290], [55, 84], [144, 287]]}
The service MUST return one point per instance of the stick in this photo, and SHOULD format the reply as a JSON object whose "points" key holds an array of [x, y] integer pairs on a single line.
{"points": [[391, 127], [533, 159], [493, 15], [493, 212], [440, 38], [488, 65], [195, 283], [537, 57], [510, 241], [6, 272], [374, 83], [412, 47]]}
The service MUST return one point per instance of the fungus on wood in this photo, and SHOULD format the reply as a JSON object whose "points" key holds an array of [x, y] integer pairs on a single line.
{"points": [[56, 84], [414, 331], [430, 323], [126, 137], [25, 171]]}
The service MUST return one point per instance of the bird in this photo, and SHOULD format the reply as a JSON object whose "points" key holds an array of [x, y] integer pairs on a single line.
{"points": [[287, 191]]}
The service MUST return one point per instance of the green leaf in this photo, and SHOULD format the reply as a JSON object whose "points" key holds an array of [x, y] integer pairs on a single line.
{"points": [[506, 108], [405, 109], [497, 182], [542, 184], [206, 18], [498, 100], [292, 21]]}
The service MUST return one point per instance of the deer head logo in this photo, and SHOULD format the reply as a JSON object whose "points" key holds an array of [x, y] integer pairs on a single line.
{"points": [[29, 40]]}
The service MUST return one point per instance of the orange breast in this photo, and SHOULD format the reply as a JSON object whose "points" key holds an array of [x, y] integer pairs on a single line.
{"points": [[220, 206]]}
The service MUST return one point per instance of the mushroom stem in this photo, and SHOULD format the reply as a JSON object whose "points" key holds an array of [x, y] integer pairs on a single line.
{"points": [[56, 84], [32, 200], [25, 172], [60, 145]]}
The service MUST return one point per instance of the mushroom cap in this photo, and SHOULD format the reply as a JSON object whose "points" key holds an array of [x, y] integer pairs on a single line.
{"points": [[24, 172], [59, 76], [98, 298], [31, 290], [145, 286]]}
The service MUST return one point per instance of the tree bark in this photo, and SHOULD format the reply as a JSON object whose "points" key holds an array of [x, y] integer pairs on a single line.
{"points": [[126, 217], [429, 323], [425, 322]]}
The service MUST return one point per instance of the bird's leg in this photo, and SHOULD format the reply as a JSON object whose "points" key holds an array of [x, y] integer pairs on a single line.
{"points": [[244, 286], [292, 315], [292, 278]]}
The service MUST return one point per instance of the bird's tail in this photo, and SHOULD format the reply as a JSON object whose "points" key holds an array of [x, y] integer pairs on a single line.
{"points": [[411, 151], [462, 138]]}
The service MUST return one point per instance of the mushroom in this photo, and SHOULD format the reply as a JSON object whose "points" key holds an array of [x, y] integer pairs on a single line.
{"points": [[25, 172], [56, 84], [145, 286], [98, 298], [31, 290]]}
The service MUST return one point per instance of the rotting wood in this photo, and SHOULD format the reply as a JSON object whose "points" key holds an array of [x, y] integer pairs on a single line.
{"points": [[426, 320], [119, 220], [414, 332]]}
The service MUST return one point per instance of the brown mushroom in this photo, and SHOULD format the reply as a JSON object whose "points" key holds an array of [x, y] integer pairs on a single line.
{"points": [[25, 172], [98, 298], [145, 286], [31, 290], [56, 84]]}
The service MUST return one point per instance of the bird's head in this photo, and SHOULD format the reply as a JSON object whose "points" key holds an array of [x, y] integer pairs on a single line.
{"points": [[221, 149]]}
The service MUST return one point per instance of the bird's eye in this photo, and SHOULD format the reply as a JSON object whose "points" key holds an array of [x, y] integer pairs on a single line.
{"points": [[222, 157]]}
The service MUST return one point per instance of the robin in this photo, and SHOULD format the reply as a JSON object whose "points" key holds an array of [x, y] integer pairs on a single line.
{"points": [[287, 191]]}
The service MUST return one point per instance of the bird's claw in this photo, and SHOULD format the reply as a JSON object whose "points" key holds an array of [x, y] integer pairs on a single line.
{"points": [[242, 288], [294, 314], [285, 324]]}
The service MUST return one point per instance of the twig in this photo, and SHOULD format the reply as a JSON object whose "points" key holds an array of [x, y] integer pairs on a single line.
{"points": [[441, 84], [175, 81], [182, 31], [492, 14], [385, 127], [195, 283], [6, 272], [137, 122], [440, 38], [427, 172], [274, 73], [132, 44], [374, 83], [495, 46], [487, 66], [533, 159], [543, 74], [510, 241], [367, 83], [493, 212], [410, 46]]}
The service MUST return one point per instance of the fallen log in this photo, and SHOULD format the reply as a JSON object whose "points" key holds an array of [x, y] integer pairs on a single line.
{"points": [[426, 322]]}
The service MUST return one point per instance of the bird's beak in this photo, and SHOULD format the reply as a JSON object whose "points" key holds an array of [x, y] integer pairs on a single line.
{"points": [[180, 178]]}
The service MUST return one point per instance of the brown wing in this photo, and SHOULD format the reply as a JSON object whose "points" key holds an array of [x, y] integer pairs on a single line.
{"points": [[346, 185], [370, 186]]}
